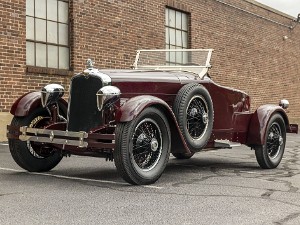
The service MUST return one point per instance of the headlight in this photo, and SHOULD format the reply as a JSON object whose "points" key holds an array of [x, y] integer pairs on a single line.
{"points": [[107, 96], [284, 103], [51, 93]]}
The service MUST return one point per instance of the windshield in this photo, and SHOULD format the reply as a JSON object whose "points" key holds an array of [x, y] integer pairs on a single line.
{"points": [[192, 60]]}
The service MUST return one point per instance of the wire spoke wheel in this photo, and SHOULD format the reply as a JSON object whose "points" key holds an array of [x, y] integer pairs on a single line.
{"points": [[30, 155], [147, 144], [197, 117], [270, 153], [36, 149], [274, 140], [143, 147], [193, 108]]}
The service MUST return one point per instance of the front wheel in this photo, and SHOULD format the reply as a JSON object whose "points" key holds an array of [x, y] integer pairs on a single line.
{"points": [[143, 147], [33, 156], [270, 153]]}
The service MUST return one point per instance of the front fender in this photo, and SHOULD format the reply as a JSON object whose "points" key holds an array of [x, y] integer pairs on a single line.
{"points": [[259, 122], [25, 104], [134, 106]]}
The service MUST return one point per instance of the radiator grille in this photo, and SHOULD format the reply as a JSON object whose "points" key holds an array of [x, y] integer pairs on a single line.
{"points": [[83, 114]]}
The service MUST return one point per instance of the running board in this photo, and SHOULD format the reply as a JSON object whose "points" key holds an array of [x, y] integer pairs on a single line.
{"points": [[225, 144]]}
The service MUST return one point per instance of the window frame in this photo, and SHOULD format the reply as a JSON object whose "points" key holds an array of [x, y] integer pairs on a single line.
{"points": [[50, 70], [169, 27]]}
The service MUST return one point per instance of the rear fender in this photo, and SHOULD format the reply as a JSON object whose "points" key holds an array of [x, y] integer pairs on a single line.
{"points": [[259, 122], [25, 104], [134, 106]]}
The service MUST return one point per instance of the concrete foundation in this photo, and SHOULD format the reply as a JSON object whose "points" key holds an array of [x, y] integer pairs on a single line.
{"points": [[5, 119]]}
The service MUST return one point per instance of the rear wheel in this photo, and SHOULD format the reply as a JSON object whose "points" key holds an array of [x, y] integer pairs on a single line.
{"points": [[270, 153], [142, 147], [33, 156]]}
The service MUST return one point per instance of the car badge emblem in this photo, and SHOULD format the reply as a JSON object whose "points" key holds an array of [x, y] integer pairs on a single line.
{"points": [[90, 66]]}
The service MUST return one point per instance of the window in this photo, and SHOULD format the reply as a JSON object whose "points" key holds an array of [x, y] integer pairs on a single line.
{"points": [[47, 33], [176, 25]]}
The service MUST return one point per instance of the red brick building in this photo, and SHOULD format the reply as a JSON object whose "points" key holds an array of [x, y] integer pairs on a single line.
{"points": [[46, 41]]}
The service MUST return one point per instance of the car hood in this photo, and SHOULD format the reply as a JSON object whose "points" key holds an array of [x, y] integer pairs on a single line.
{"points": [[118, 76]]}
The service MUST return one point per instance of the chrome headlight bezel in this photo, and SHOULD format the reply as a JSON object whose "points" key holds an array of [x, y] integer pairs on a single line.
{"points": [[107, 96], [284, 103], [51, 93]]}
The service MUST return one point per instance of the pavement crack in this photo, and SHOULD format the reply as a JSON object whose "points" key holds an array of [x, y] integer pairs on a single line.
{"points": [[192, 181], [287, 218], [268, 193], [1, 195]]}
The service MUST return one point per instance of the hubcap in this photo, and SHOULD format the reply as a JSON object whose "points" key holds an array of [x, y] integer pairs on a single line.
{"points": [[280, 140], [154, 145], [205, 118], [193, 112]]}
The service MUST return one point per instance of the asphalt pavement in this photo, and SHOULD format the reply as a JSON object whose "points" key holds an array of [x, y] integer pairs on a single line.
{"points": [[216, 187]]}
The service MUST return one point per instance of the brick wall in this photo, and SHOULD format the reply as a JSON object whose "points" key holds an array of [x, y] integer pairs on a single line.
{"points": [[250, 52], [12, 51]]}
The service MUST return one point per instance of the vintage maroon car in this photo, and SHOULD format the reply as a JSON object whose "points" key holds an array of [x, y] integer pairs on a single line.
{"points": [[136, 118]]}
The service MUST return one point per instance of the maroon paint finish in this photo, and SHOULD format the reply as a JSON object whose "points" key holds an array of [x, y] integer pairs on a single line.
{"points": [[231, 107], [28, 102], [259, 123], [134, 106], [57, 126], [140, 89], [24, 105]]}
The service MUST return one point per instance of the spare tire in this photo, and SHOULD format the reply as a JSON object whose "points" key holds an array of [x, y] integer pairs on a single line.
{"points": [[193, 109]]}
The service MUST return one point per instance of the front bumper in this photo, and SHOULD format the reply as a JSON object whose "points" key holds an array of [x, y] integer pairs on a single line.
{"points": [[65, 138]]}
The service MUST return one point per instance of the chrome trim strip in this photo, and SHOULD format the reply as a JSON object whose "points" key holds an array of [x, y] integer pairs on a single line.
{"points": [[26, 131], [36, 131], [80, 144]]}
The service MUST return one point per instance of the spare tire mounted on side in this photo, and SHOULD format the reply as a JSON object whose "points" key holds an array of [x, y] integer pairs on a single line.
{"points": [[193, 109]]}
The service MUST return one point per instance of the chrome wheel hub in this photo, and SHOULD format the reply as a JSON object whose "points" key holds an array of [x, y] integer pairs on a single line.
{"points": [[193, 112], [205, 118], [154, 145], [280, 140], [140, 139]]}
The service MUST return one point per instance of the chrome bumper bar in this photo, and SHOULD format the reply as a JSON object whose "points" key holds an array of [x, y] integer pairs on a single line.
{"points": [[54, 136], [77, 139]]}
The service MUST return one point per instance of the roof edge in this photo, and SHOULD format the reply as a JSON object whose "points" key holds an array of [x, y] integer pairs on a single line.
{"points": [[270, 9]]}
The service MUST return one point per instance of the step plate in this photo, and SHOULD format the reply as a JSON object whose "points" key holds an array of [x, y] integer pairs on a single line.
{"points": [[225, 144]]}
